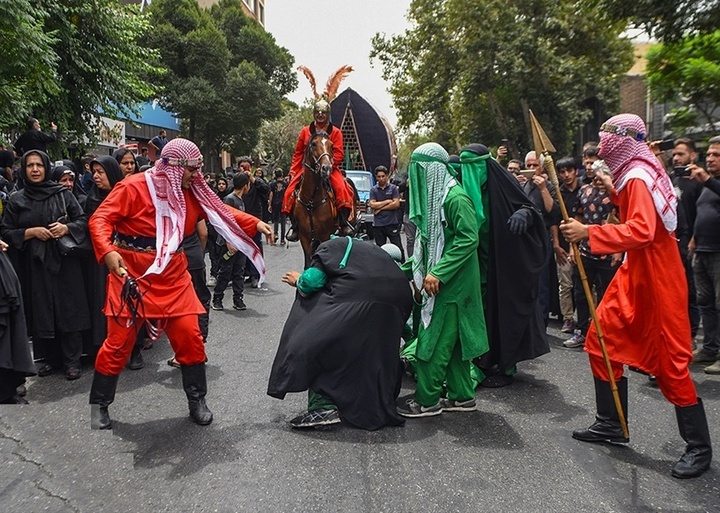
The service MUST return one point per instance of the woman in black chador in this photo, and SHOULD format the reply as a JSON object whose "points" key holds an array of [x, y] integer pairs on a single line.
{"points": [[15, 358], [341, 339], [106, 173], [52, 285]]}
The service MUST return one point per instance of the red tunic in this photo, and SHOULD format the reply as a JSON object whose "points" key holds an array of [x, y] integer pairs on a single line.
{"points": [[643, 313], [129, 210], [343, 196]]}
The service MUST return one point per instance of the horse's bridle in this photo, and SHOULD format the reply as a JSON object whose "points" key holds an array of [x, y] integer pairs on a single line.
{"points": [[310, 204]]}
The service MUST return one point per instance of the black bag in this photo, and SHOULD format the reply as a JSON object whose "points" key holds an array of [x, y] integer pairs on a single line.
{"points": [[67, 245]]}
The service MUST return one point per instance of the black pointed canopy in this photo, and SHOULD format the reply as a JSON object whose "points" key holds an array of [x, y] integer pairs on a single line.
{"points": [[369, 138]]}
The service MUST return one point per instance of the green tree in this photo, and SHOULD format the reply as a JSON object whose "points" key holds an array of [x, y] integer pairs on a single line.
{"points": [[27, 68], [278, 136], [687, 73], [470, 72], [666, 20], [226, 75], [102, 68]]}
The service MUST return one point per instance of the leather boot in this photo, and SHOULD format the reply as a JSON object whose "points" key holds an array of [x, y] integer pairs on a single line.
{"points": [[694, 430], [345, 227], [102, 394], [136, 358], [292, 234], [195, 386], [606, 427]]}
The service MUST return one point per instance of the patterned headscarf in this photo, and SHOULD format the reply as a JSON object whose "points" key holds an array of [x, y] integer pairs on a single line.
{"points": [[624, 150], [165, 185], [430, 180]]}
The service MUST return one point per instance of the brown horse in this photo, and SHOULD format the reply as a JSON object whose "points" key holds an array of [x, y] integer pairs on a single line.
{"points": [[315, 211]]}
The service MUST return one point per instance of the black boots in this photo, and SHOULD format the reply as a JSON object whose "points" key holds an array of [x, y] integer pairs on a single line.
{"points": [[195, 386], [694, 430], [292, 234], [136, 358], [102, 394], [606, 427], [345, 227]]}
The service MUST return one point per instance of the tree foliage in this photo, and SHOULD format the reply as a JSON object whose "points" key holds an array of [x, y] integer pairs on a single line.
{"points": [[469, 71], [27, 69], [666, 20], [226, 74], [68, 60], [687, 73], [278, 136]]}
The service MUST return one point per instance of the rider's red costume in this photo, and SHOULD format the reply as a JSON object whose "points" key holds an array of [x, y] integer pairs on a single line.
{"points": [[343, 194]]}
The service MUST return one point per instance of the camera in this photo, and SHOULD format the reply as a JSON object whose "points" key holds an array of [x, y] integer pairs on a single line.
{"points": [[681, 171], [667, 144], [504, 142]]}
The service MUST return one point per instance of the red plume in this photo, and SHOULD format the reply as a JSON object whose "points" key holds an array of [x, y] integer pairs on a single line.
{"points": [[311, 78], [333, 82]]}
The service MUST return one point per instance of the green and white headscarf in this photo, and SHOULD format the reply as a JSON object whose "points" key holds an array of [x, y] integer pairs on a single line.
{"points": [[430, 181]]}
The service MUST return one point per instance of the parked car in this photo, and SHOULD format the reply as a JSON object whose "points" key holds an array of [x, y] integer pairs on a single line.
{"points": [[363, 181]]}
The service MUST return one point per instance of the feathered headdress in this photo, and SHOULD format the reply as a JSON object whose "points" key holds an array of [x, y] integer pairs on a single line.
{"points": [[333, 83]]}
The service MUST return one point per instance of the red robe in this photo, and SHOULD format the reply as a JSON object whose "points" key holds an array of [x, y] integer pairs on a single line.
{"points": [[129, 210], [343, 195], [643, 314]]}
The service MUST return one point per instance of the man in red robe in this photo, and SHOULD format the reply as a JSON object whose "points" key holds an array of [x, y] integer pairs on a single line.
{"points": [[137, 232], [343, 194], [643, 313]]}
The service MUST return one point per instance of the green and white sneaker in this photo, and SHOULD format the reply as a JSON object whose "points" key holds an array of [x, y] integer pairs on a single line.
{"points": [[451, 405], [414, 409]]}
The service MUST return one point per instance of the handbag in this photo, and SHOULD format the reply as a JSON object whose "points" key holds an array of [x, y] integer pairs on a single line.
{"points": [[67, 245]]}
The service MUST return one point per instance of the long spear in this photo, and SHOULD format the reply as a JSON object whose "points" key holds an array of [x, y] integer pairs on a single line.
{"points": [[543, 146]]}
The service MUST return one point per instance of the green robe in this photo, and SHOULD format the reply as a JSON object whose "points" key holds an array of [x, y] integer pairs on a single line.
{"points": [[459, 273]]}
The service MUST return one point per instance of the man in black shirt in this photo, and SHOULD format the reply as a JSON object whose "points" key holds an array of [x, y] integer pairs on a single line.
{"points": [[705, 245], [277, 192], [255, 201], [542, 194], [569, 186], [34, 138]]}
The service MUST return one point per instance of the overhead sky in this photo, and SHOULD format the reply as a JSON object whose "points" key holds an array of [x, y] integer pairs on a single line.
{"points": [[326, 34]]}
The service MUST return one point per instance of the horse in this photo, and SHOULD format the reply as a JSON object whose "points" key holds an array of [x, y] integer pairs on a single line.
{"points": [[315, 212]]}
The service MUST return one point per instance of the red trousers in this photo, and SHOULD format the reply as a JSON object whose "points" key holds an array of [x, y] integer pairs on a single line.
{"points": [[343, 195], [183, 333], [674, 382]]}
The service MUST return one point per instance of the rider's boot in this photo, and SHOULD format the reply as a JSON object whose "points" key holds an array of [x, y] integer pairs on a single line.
{"points": [[345, 227], [292, 234]]}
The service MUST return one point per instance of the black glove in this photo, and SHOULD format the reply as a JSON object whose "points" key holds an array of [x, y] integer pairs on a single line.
{"points": [[519, 221]]}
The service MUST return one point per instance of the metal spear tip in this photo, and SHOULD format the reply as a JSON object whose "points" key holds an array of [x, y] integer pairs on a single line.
{"points": [[540, 139]]}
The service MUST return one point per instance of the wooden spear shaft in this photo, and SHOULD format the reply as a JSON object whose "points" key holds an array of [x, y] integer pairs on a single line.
{"points": [[552, 173]]}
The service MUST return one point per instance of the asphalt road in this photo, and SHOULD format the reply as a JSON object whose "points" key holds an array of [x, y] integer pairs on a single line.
{"points": [[514, 454]]}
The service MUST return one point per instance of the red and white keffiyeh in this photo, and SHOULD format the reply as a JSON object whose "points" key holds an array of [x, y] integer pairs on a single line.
{"points": [[624, 150], [165, 186]]}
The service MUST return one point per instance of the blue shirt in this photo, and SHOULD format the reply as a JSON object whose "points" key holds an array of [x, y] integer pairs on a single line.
{"points": [[384, 217]]}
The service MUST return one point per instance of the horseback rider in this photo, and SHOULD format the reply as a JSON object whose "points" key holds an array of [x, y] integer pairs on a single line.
{"points": [[343, 196]]}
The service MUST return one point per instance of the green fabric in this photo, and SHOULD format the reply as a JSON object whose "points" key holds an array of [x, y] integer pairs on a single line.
{"points": [[408, 354], [429, 183], [459, 273], [344, 260], [319, 402], [311, 280], [478, 376], [474, 178], [447, 366], [454, 168]]}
